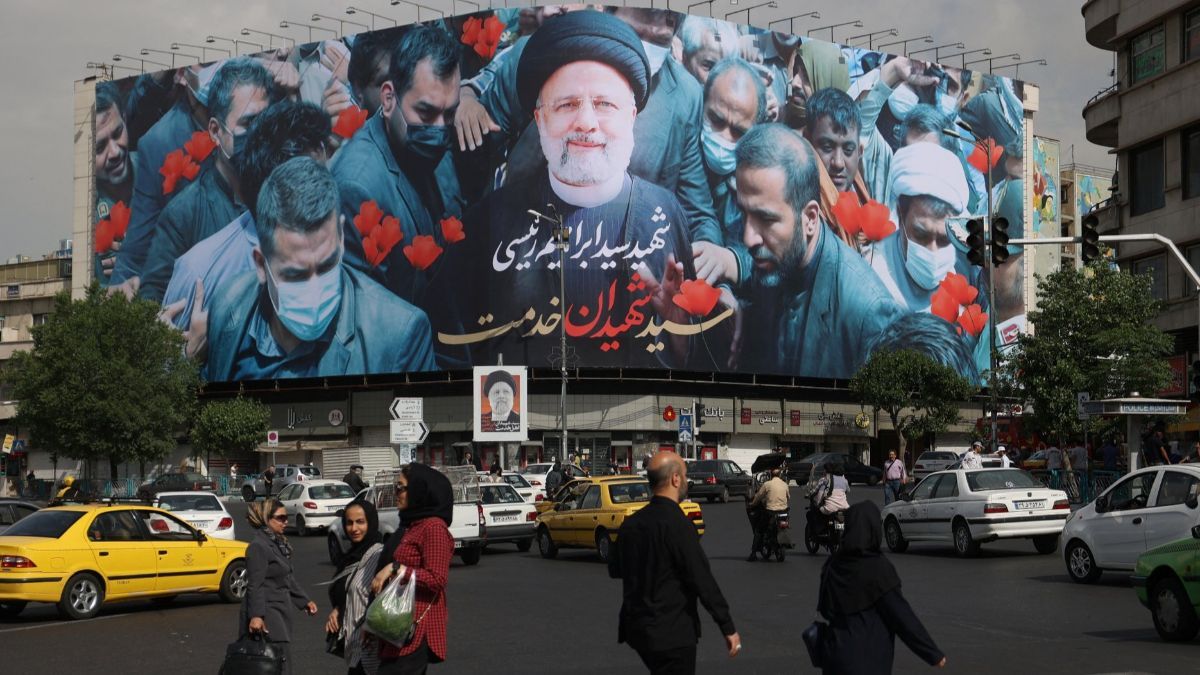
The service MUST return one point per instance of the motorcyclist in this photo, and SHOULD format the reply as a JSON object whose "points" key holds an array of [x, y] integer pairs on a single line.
{"points": [[771, 499], [70, 492], [828, 497]]}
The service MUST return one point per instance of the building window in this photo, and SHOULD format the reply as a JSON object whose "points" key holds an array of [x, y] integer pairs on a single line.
{"points": [[39, 319], [1147, 181], [1191, 35], [1191, 162], [1156, 267], [1148, 54]]}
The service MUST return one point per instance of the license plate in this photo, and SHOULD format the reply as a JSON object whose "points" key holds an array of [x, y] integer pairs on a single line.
{"points": [[506, 519], [332, 508], [199, 525], [1024, 506]]}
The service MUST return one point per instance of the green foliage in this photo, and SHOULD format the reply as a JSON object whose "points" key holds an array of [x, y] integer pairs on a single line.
{"points": [[920, 395], [105, 380], [231, 427], [1092, 333]]}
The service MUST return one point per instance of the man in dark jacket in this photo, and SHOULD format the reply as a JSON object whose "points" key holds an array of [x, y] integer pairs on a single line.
{"points": [[554, 479], [664, 572], [354, 478]]}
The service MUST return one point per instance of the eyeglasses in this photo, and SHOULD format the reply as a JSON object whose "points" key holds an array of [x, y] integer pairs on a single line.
{"points": [[280, 519], [401, 488]]}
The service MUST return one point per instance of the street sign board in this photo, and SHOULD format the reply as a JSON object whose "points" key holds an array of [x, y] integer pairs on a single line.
{"points": [[685, 428], [9, 440], [408, 409], [408, 431], [272, 439], [1081, 404]]}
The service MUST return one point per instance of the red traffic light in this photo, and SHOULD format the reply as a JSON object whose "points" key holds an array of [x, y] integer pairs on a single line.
{"points": [[668, 414]]}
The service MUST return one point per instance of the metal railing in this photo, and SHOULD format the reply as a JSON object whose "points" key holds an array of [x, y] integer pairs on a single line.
{"points": [[1081, 486], [1103, 93]]}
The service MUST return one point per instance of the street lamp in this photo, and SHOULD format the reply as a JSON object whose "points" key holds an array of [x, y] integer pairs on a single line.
{"points": [[892, 32], [290, 24], [1036, 62], [140, 60], [771, 3], [419, 7], [857, 23], [792, 20], [937, 51], [562, 238], [145, 50], [236, 43], [341, 22], [1014, 56], [352, 10], [270, 37], [702, 2], [203, 50], [985, 51], [928, 39]]}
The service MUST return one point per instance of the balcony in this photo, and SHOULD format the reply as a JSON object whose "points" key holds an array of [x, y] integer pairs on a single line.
{"points": [[1102, 116], [1100, 22]]}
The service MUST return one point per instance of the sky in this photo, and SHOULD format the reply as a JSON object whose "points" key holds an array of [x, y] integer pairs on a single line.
{"points": [[46, 45]]}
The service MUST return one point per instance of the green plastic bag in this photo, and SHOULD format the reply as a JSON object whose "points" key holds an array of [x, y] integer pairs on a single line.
{"points": [[390, 616]]}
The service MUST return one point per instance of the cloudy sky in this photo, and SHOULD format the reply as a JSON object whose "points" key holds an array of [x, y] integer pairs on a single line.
{"points": [[45, 45]]}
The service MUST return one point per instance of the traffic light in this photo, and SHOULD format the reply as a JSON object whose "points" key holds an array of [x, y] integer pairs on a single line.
{"points": [[699, 415], [976, 244], [668, 414], [999, 240], [1090, 249]]}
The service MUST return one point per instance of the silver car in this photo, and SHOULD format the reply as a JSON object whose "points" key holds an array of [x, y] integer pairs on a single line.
{"points": [[285, 475], [934, 460]]}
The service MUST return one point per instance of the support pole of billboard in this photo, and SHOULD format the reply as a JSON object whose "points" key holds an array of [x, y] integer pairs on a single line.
{"points": [[562, 239]]}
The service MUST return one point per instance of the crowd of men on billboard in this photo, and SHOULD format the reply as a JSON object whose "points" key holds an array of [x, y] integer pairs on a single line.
{"points": [[812, 188]]}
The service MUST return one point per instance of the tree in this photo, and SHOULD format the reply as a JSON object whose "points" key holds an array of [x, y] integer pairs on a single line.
{"points": [[105, 380], [920, 395], [1092, 333], [228, 427]]}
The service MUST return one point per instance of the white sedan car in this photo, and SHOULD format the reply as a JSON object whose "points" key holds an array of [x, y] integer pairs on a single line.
{"points": [[315, 503], [1148, 508], [967, 508], [509, 518], [933, 460], [202, 510], [536, 474], [523, 487]]}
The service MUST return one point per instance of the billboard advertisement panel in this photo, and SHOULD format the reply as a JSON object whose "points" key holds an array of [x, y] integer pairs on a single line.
{"points": [[500, 404], [670, 191]]}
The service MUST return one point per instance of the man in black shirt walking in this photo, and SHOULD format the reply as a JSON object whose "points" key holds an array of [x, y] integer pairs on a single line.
{"points": [[664, 572]]}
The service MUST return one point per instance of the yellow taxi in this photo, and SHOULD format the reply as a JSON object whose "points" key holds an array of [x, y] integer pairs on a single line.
{"points": [[588, 512], [81, 556]]}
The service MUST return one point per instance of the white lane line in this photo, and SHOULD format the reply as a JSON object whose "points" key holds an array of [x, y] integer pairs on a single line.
{"points": [[61, 623]]}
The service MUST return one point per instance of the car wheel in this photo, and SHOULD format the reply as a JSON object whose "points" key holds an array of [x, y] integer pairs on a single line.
{"points": [[724, 495], [82, 596], [603, 545], [1081, 564], [965, 545], [234, 582], [1046, 544], [810, 541], [247, 493], [335, 549], [1174, 616], [524, 545], [546, 545], [11, 609], [895, 538], [301, 526], [471, 556]]}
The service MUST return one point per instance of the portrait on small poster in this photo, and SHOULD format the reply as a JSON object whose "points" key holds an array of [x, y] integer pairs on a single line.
{"points": [[500, 404]]}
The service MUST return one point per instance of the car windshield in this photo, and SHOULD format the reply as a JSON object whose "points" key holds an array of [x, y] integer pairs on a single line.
{"points": [[189, 503], [500, 494], [46, 523], [516, 480], [331, 491], [625, 493], [537, 468], [703, 466], [1005, 479], [311, 471], [936, 456]]}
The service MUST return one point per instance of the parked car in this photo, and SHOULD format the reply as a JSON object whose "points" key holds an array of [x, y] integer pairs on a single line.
{"points": [[536, 473], [285, 475], [508, 517], [1166, 583], [201, 510], [718, 479], [967, 508], [802, 470], [933, 460], [1147, 509], [175, 482], [315, 504], [13, 510], [153, 555], [1035, 461], [523, 487], [988, 461]]}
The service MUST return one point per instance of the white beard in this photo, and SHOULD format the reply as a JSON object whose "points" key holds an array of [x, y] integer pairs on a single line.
{"points": [[591, 167]]}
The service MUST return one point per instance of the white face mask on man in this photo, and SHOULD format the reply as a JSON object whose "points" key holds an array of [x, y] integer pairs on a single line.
{"points": [[927, 268], [657, 56]]}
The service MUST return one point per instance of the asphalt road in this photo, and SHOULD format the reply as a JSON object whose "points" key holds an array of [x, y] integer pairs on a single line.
{"points": [[1008, 611]]}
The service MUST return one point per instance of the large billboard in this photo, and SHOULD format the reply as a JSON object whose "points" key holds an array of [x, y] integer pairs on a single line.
{"points": [[670, 191]]}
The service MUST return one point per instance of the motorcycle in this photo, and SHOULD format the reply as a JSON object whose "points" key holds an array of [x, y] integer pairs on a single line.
{"points": [[833, 526], [775, 538]]}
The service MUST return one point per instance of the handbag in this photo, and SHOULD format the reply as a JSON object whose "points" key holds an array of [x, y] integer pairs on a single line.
{"points": [[390, 615], [814, 639], [252, 655], [335, 643]]}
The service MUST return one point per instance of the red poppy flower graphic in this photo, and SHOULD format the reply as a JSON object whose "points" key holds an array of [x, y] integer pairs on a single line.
{"points": [[119, 216], [981, 161], [369, 215], [103, 239], [471, 30], [200, 146], [489, 37], [349, 121], [177, 165], [382, 239], [452, 230], [973, 320], [876, 221], [956, 285], [422, 252], [696, 297], [848, 213], [943, 305]]}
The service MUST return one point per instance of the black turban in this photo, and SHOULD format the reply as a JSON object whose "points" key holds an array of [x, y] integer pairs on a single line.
{"points": [[498, 376], [582, 36]]}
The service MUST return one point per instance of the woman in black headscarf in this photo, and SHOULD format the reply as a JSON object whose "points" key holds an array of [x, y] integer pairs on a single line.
{"points": [[860, 597], [426, 503], [350, 591]]}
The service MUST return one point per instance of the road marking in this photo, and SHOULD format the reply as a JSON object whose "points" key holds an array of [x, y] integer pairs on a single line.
{"points": [[61, 623]]}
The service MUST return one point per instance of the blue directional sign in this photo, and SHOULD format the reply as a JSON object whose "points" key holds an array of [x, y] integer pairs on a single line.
{"points": [[685, 428]]}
